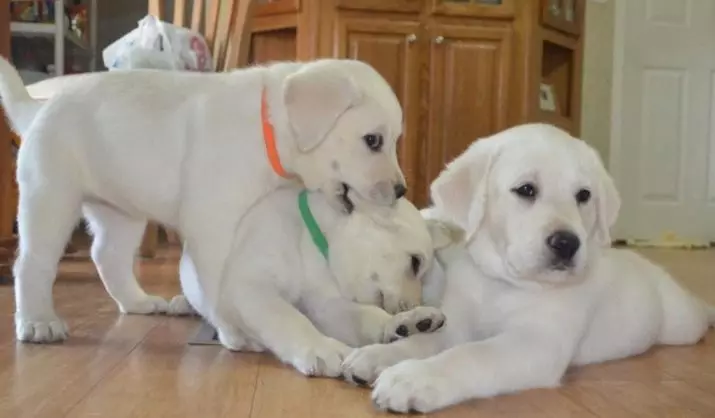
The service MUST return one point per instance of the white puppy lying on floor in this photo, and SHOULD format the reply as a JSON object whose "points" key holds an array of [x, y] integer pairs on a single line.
{"points": [[535, 289], [308, 307], [191, 151]]}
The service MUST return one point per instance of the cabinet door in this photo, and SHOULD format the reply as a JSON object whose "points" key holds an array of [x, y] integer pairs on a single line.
{"points": [[470, 70], [392, 48]]}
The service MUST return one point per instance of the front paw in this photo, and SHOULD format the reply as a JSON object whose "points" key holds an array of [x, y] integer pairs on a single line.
{"points": [[235, 341], [324, 358], [422, 319], [144, 304], [413, 386], [363, 365], [180, 306], [47, 329]]}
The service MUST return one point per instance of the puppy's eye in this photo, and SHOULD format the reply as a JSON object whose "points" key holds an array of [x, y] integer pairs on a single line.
{"points": [[583, 196], [526, 191], [374, 142], [416, 263]]}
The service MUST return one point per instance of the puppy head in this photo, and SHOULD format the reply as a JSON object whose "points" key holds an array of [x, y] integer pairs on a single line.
{"points": [[536, 204], [346, 121], [379, 255]]}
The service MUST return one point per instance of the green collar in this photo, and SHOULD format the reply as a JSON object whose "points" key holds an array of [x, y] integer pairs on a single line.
{"points": [[312, 225]]}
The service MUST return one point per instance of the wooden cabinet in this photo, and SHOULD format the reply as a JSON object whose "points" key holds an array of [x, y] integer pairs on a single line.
{"points": [[7, 175], [469, 69]]}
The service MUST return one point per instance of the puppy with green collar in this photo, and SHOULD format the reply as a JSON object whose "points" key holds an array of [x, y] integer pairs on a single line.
{"points": [[310, 283]]}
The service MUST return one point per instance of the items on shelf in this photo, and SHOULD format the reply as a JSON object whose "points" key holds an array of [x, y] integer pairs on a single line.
{"points": [[43, 11]]}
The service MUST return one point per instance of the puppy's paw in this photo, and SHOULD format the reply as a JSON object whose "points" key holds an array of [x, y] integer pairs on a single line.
{"points": [[180, 306], [144, 305], [48, 330], [363, 365], [238, 342], [412, 386], [324, 358], [422, 319]]}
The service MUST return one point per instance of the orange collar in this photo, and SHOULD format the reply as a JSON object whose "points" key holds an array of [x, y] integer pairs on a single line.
{"points": [[269, 137]]}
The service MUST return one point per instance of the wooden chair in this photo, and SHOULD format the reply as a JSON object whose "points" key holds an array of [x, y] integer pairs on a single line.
{"points": [[229, 42]]}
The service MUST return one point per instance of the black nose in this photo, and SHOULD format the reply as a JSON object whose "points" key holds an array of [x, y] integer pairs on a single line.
{"points": [[563, 244], [400, 190]]}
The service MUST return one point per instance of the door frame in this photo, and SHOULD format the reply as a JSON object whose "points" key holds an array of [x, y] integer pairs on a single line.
{"points": [[614, 158]]}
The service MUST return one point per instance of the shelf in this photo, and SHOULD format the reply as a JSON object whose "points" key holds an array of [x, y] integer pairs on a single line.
{"points": [[32, 29]]}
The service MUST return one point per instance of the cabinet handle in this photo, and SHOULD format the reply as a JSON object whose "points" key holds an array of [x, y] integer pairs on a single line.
{"points": [[439, 39], [411, 38]]}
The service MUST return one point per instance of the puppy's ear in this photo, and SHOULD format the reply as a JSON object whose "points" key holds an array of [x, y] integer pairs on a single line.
{"points": [[314, 99], [460, 192], [443, 233], [608, 203]]}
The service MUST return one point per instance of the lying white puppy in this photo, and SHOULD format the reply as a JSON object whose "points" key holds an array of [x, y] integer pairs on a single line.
{"points": [[535, 289], [191, 151], [308, 282]]}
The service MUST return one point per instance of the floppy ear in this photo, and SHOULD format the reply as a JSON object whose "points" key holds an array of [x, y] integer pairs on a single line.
{"points": [[443, 233], [608, 205], [460, 192], [607, 200], [314, 99]]}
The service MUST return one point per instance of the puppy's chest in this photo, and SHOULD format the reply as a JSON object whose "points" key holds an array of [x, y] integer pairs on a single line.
{"points": [[497, 306]]}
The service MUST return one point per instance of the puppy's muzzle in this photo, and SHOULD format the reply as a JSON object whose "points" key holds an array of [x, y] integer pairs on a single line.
{"points": [[563, 246], [387, 193], [400, 190]]}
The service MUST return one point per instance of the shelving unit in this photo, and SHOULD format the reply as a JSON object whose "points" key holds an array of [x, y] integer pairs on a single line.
{"points": [[61, 34]]}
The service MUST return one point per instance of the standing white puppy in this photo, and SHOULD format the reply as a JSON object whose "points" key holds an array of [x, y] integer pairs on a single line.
{"points": [[535, 288], [191, 151]]}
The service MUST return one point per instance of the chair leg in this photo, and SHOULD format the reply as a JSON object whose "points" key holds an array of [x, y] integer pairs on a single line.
{"points": [[7, 255]]}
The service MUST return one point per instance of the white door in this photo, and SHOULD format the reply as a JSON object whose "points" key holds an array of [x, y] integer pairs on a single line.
{"points": [[663, 138]]}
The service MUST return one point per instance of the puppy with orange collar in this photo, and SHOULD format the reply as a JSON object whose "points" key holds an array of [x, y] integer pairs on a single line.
{"points": [[191, 151]]}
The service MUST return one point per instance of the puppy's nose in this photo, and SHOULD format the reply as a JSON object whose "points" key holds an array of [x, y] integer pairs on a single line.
{"points": [[564, 244], [400, 190]]}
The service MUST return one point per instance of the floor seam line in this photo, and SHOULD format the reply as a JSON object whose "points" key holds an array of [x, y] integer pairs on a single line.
{"points": [[114, 367]]}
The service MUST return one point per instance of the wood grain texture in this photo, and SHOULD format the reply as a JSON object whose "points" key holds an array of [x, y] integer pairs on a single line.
{"points": [[7, 173], [140, 366]]}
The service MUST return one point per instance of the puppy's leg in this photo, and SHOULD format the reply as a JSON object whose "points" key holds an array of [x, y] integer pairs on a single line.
{"points": [[179, 306], [510, 362], [116, 239], [235, 340], [358, 325], [686, 319], [282, 329], [365, 364], [48, 210]]}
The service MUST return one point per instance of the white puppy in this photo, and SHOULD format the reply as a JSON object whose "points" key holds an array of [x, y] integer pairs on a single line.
{"points": [[191, 151], [535, 288], [308, 307]]}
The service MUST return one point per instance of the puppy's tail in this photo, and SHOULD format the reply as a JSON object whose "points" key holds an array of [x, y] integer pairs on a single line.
{"points": [[17, 104]]}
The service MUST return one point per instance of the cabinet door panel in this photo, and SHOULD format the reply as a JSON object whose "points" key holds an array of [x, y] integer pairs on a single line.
{"points": [[470, 70]]}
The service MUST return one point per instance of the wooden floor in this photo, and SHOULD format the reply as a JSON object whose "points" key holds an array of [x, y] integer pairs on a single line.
{"points": [[134, 366]]}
